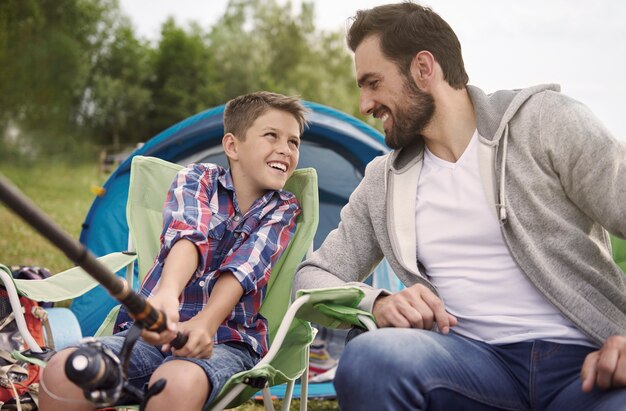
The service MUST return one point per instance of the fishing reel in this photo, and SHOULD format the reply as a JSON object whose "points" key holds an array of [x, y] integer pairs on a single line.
{"points": [[98, 371], [101, 373]]}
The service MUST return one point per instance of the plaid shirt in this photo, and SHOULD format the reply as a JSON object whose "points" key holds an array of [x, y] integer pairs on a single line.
{"points": [[201, 207]]}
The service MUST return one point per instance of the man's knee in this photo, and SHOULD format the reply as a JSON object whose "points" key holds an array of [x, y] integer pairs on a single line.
{"points": [[363, 357], [388, 353]]}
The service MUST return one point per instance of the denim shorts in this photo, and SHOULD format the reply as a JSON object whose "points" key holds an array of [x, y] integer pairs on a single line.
{"points": [[228, 359]]}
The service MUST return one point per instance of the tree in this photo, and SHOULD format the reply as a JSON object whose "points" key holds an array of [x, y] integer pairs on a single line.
{"points": [[265, 45], [185, 73], [47, 49], [117, 98], [73, 72]]}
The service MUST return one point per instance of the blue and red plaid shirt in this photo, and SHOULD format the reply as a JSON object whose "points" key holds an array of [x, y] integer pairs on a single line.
{"points": [[201, 207]]}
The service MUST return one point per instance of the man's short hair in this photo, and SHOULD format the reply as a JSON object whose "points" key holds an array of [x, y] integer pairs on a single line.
{"points": [[242, 111], [404, 30]]}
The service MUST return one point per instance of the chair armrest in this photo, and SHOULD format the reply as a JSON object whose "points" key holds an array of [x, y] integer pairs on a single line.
{"points": [[335, 307], [70, 283]]}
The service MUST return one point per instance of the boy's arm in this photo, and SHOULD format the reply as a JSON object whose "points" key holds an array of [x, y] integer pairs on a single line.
{"points": [[202, 327], [245, 270], [179, 266], [188, 213]]}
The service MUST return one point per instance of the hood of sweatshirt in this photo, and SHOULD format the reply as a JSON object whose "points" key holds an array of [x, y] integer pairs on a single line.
{"points": [[493, 112]]}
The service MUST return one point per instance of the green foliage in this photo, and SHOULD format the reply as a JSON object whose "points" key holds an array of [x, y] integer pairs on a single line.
{"points": [[74, 75], [117, 98], [264, 45], [184, 80], [46, 50]]}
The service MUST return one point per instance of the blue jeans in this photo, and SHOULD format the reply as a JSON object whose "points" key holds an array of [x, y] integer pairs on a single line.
{"points": [[227, 360], [409, 369]]}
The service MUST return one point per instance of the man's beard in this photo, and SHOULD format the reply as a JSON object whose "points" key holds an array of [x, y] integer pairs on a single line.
{"points": [[410, 120]]}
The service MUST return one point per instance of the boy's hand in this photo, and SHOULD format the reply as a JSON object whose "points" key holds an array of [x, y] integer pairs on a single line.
{"points": [[199, 339], [169, 306]]}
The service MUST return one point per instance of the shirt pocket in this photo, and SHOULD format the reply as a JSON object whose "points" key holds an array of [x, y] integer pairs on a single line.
{"points": [[216, 228], [244, 230]]}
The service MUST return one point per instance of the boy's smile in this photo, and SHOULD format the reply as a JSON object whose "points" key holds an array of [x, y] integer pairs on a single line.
{"points": [[266, 157]]}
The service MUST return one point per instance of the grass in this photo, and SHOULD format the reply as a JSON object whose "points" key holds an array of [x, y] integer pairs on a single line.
{"points": [[63, 192], [314, 405]]}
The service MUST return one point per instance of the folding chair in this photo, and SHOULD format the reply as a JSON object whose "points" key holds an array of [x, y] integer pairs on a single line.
{"points": [[287, 358]]}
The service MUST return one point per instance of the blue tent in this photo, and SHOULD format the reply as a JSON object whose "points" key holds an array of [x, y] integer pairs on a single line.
{"points": [[337, 145]]}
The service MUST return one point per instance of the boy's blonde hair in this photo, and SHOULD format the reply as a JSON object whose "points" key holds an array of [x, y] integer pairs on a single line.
{"points": [[242, 111]]}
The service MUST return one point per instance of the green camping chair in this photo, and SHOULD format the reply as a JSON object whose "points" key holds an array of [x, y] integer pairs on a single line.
{"points": [[287, 359], [290, 338]]}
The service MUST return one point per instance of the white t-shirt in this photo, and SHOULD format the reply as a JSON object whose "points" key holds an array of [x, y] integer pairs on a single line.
{"points": [[460, 244]]}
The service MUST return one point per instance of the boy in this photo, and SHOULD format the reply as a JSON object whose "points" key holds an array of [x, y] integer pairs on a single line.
{"points": [[223, 231]]}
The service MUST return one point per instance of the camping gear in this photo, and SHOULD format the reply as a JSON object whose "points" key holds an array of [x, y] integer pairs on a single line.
{"points": [[18, 379]]}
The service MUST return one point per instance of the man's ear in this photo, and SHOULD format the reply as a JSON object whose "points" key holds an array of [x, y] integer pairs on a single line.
{"points": [[231, 145], [423, 68]]}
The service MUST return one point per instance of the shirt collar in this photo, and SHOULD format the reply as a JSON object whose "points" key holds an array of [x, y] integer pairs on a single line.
{"points": [[225, 178]]}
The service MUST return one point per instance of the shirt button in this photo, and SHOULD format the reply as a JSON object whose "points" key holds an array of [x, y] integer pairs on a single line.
{"points": [[201, 283], [237, 217]]}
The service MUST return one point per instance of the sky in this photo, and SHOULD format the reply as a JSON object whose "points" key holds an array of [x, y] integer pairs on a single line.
{"points": [[506, 44]]}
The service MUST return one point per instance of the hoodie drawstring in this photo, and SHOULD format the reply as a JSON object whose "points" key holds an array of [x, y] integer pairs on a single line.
{"points": [[501, 201]]}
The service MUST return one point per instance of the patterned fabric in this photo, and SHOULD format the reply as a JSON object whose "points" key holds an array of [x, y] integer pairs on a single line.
{"points": [[201, 207]]}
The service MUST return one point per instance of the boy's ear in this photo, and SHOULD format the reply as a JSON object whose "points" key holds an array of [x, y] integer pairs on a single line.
{"points": [[231, 145]]}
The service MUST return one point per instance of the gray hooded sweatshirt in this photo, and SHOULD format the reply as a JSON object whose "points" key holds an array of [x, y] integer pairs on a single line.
{"points": [[555, 178]]}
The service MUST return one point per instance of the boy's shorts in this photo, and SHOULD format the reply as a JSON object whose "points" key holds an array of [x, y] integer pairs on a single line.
{"points": [[227, 359]]}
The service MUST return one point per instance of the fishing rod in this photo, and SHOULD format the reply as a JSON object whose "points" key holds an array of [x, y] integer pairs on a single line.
{"points": [[138, 308], [144, 314]]}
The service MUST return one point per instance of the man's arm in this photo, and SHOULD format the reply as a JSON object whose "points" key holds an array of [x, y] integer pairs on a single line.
{"points": [[349, 254], [589, 161], [351, 251]]}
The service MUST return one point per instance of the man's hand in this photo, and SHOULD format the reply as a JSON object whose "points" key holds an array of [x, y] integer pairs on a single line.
{"points": [[413, 307], [606, 367]]}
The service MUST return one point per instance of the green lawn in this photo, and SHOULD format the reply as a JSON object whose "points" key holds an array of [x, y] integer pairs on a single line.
{"points": [[61, 191], [64, 192]]}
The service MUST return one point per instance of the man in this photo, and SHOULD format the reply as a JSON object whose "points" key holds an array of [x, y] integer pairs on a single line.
{"points": [[491, 210]]}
